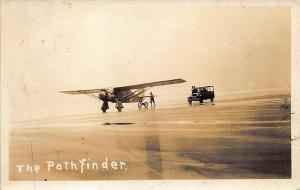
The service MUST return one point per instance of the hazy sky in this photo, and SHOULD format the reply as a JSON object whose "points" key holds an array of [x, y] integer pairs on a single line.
{"points": [[52, 46]]}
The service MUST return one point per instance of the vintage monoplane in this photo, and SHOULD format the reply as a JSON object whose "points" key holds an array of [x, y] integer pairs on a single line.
{"points": [[123, 94]]}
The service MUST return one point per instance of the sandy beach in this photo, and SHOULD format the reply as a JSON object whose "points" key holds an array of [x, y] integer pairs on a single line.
{"points": [[237, 138]]}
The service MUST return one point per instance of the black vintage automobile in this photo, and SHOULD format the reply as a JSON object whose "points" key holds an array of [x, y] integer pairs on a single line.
{"points": [[202, 93]]}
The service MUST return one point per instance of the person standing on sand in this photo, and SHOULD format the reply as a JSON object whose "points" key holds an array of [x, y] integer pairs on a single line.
{"points": [[152, 99]]}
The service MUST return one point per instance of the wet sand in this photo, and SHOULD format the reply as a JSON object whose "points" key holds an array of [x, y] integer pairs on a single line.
{"points": [[243, 138]]}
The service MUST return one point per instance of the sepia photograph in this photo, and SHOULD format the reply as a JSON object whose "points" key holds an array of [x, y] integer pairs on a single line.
{"points": [[108, 91]]}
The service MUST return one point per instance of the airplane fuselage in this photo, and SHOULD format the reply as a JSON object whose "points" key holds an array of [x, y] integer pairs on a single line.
{"points": [[131, 96]]}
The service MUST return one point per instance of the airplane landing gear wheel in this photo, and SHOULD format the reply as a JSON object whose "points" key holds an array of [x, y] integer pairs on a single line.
{"points": [[119, 106], [104, 107]]}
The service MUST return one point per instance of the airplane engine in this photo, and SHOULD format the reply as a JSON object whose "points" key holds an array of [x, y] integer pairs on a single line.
{"points": [[103, 95]]}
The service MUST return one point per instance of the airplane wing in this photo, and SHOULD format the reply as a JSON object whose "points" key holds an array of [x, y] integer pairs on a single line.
{"points": [[90, 91], [131, 87], [151, 84]]}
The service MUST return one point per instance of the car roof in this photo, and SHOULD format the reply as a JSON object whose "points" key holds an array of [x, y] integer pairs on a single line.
{"points": [[203, 87]]}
